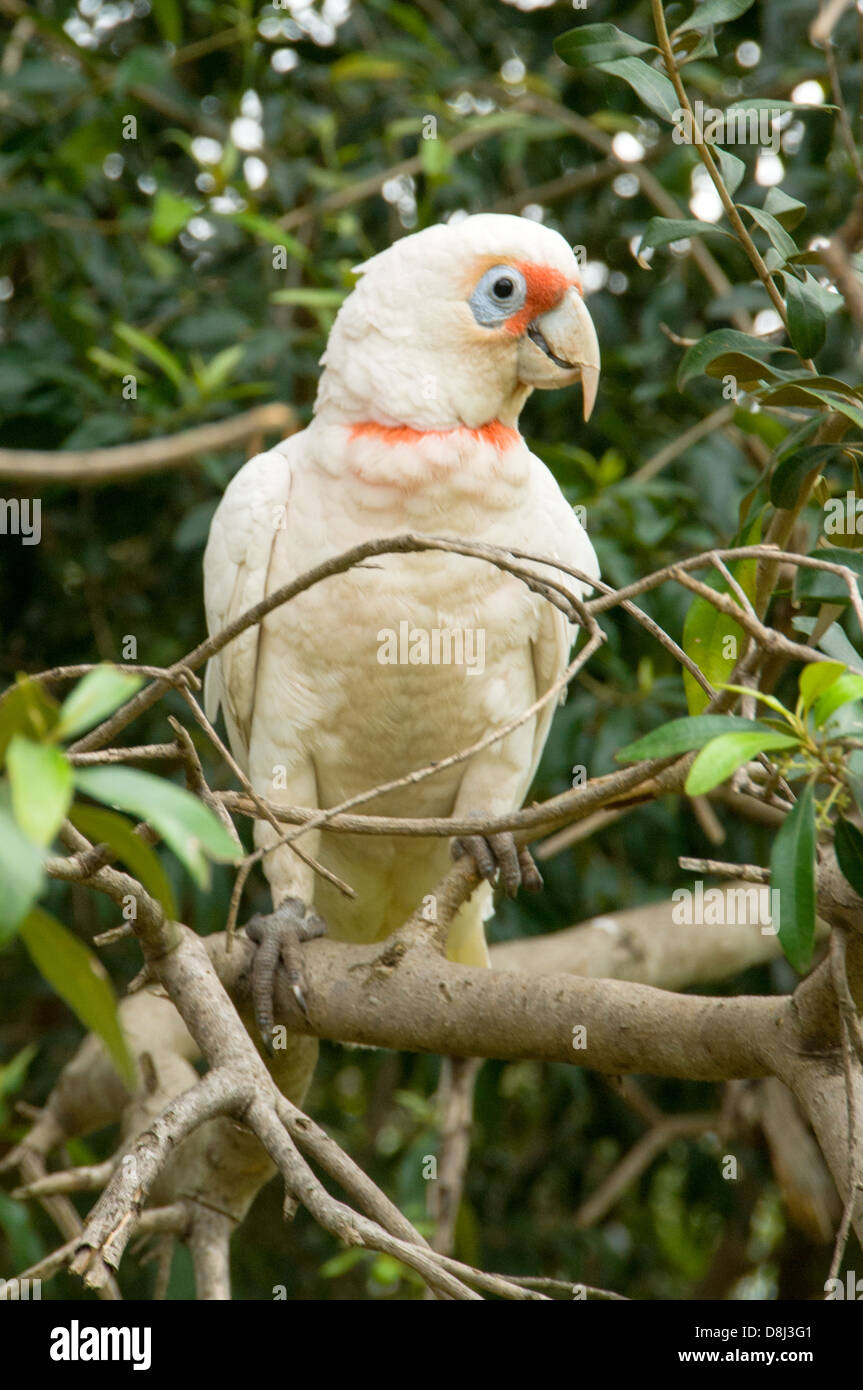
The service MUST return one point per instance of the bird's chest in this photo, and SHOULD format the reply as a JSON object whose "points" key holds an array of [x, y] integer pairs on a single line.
{"points": [[404, 661], [405, 658], [402, 625]]}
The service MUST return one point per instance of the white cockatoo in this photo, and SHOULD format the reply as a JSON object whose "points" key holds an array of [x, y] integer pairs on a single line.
{"points": [[347, 686]]}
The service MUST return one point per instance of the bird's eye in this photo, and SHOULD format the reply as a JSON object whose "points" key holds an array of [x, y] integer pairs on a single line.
{"points": [[501, 291]]}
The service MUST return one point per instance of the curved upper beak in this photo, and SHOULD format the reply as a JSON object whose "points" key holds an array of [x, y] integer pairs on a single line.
{"points": [[561, 347]]}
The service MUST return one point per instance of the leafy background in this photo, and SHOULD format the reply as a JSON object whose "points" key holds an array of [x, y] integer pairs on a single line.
{"points": [[258, 126]]}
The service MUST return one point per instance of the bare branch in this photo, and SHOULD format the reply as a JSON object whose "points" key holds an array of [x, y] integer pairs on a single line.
{"points": [[124, 461]]}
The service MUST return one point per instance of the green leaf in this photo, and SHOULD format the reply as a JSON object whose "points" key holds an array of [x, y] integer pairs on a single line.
{"points": [[826, 587], [142, 64], [708, 634], [762, 698], [817, 677], [691, 45], [25, 709], [95, 696], [149, 347], [684, 735], [14, 1072], [843, 405], [790, 471], [168, 17], [775, 104], [267, 230], [79, 978], [787, 210], [807, 322], [309, 297], [20, 875], [751, 356], [841, 692], [811, 396], [591, 44], [653, 87], [661, 230], [185, 823], [833, 643], [214, 374], [341, 1262], [365, 67], [829, 301], [40, 779], [724, 755], [714, 12], [731, 166], [792, 864], [117, 366], [107, 828], [437, 159], [849, 853], [772, 432], [807, 391], [170, 215], [785, 244]]}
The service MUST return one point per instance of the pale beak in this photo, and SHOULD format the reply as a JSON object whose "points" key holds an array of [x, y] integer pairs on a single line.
{"points": [[561, 347]]}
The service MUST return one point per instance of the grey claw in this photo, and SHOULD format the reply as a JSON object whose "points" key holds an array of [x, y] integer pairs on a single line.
{"points": [[531, 878], [277, 936], [297, 992], [499, 853], [477, 846]]}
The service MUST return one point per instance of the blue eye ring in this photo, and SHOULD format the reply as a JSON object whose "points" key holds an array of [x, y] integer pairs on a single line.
{"points": [[501, 291]]}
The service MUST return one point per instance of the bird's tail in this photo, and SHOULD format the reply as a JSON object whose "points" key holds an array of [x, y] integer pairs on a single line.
{"points": [[466, 941]]}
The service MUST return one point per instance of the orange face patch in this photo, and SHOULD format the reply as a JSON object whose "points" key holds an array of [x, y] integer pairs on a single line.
{"points": [[545, 288]]}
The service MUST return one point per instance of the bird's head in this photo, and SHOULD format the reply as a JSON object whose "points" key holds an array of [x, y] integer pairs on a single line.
{"points": [[456, 325]]}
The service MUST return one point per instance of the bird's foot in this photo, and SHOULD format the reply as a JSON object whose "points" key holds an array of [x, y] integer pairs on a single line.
{"points": [[278, 936], [500, 853]]}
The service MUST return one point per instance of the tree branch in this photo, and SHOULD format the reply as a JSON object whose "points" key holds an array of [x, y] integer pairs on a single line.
{"points": [[124, 461]]}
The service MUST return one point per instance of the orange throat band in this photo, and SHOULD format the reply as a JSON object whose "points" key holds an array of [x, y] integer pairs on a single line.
{"points": [[500, 436]]}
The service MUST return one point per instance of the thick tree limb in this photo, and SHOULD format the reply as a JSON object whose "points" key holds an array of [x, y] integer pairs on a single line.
{"points": [[410, 998]]}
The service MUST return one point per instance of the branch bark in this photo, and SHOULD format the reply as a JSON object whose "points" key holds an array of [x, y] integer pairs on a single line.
{"points": [[124, 461]]}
